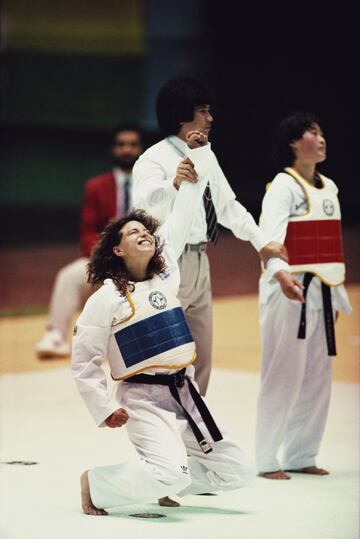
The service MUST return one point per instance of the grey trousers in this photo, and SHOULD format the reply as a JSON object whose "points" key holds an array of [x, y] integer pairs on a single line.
{"points": [[196, 299]]}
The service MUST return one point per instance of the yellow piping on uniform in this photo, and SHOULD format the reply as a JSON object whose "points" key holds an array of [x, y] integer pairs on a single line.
{"points": [[319, 277], [300, 181], [129, 298], [156, 367], [295, 174], [132, 307]]}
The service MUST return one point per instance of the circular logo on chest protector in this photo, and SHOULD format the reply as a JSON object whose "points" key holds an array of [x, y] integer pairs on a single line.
{"points": [[328, 207], [157, 300]]}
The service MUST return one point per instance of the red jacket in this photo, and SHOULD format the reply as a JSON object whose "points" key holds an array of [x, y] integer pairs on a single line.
{"points": [[99, 205]]}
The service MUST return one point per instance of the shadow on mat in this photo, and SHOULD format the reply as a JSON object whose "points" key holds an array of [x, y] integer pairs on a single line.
{"points": [[173, 514]]}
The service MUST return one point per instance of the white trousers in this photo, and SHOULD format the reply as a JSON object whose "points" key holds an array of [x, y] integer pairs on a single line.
{"points": [[295, 386], [169, 459], [69, 295]]}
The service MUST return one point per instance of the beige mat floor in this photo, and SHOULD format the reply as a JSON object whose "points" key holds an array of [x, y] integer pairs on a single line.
{"points": [[236, 339]]}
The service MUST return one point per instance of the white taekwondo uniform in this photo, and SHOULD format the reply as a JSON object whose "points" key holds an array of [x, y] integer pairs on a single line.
{"points": [[146, 332], [296, 372]]}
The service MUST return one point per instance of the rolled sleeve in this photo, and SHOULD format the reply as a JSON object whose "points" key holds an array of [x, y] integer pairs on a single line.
{"points": [[203, 158], [152, 191], [273, 266]]}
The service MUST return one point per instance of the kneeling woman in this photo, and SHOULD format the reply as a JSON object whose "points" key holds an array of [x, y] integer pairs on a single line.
{"points": [[137, 322]]}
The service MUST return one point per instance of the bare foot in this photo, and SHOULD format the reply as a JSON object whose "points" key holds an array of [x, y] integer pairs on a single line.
{"points": [[86, 502], [312, 470], [168, 502], [279, 474]]}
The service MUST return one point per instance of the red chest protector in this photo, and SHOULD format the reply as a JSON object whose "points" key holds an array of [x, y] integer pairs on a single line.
{"points": [[314, 240]]}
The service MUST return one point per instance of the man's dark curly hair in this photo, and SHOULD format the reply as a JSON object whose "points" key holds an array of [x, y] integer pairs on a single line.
{"points": [[104, 264], [129, 126], [176, 101], [289, 130]]}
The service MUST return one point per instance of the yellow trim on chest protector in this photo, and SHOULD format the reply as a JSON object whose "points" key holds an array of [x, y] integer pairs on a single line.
{"points": [[179, 367], [132, 307]]}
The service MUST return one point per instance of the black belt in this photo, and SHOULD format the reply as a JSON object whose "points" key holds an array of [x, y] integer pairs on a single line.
{"points": [[177, 380], [328, 314], [197, 247]]}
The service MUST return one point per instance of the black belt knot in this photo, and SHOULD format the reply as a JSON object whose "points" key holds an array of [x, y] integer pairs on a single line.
{"points": [[173, 381], [179, 378]]}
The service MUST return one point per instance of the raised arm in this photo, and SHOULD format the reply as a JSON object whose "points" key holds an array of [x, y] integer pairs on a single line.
{"points": [[151, 190], [190, 186]]}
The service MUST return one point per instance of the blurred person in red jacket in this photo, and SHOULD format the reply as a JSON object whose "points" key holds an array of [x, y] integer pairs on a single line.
{"points": [[105, 196]]}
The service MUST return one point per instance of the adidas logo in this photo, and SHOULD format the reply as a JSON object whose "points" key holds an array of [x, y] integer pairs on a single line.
{"points": [[184, 469]]}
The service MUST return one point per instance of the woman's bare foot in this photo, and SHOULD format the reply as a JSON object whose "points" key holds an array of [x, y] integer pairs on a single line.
{"points": [[168, 502], [86, 502], [279, 474], [312, 470]]}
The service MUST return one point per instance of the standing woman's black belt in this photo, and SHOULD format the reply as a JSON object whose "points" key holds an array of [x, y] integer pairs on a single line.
{"points": [[328, 314], [173, 381]]}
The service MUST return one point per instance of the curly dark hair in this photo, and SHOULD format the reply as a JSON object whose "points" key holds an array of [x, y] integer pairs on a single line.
{"points": [[176, 101], [289, 130], [104, 264]]}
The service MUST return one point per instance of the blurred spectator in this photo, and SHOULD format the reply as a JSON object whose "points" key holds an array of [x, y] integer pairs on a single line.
{"points": [[106, 196]]}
